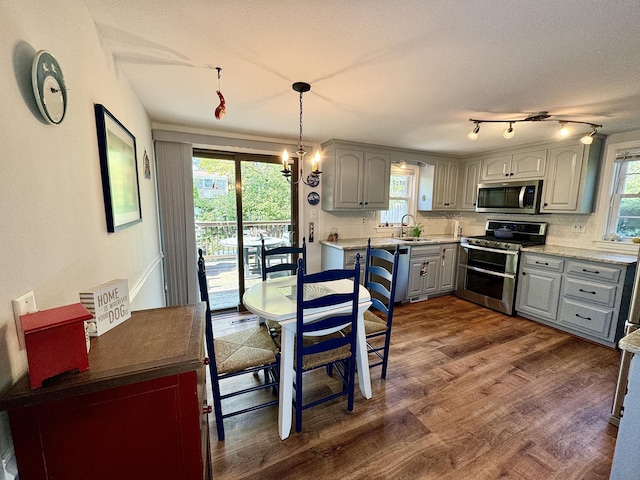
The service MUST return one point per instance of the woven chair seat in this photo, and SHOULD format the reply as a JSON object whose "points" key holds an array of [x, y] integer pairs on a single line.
{"points": [[313, 360], [247, 348], [372, 323]]}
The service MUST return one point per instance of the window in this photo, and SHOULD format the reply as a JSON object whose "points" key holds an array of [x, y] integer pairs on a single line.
{"points": [[402, 194], [624, 209]]}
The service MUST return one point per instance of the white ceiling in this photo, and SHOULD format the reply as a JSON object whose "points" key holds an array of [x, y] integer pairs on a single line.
{"points": [[404, 73]]}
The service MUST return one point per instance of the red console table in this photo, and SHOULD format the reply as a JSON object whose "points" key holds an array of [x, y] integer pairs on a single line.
{"points": [[138, 412]]}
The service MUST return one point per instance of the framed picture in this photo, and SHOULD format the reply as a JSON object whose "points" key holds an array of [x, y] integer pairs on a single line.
{"points": [[119, 167]]}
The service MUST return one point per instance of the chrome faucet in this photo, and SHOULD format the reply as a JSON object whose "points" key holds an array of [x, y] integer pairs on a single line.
{"points": [[402, 231]]}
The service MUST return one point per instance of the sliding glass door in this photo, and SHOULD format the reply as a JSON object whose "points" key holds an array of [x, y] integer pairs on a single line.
{"points": [[239, 200]]}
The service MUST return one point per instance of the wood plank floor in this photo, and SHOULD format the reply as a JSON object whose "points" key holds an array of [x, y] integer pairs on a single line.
{"points": [[470, 394]]}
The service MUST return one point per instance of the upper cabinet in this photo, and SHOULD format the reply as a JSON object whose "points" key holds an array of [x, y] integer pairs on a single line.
{"points": [[469, 186], [570, 183], [518, 166], [354, 177], [445, 190]]}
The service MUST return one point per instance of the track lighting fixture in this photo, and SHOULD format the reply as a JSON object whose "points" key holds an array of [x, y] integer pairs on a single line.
{"points": [[564, 131]]}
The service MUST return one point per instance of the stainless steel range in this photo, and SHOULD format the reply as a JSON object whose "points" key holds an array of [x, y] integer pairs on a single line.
{"points": [[488, 264]]}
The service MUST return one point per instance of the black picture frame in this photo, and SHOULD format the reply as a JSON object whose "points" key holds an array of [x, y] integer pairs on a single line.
{"points": [[119, 169]]}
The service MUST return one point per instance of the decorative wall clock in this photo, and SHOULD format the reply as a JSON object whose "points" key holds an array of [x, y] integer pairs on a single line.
{"points": [[49, 87]]}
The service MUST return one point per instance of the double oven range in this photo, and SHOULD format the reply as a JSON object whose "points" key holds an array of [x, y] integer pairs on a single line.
{"points": [[488, 264]]}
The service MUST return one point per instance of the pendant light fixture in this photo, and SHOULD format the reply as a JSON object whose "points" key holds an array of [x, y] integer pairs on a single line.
{"points": [[564, 131], [314, 176]]}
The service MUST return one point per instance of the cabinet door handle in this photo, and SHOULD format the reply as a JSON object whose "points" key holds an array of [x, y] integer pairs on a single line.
{"points": [[586, 270], [542, 263], [584, 318], [423, 270], [587, 291]]}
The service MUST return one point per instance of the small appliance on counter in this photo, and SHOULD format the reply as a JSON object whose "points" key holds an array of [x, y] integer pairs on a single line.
{"points": [[488, 264]]}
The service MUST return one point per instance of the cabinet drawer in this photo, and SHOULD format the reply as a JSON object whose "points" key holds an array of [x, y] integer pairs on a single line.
{"points": [[594, 271], [548, 263], [593, 320], [423, 251], [603, 294]]}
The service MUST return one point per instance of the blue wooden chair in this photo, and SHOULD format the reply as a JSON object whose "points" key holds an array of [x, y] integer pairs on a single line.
{"points": [[380, 274], [285, 257], [321, 342], [247, 351]]}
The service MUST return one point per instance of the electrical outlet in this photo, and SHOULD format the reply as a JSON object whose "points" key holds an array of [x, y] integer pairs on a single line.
{"points": [[21, 306], [578, 227]]}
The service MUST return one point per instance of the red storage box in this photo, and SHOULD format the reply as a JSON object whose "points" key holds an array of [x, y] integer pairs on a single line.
{"points": [[55, 341]]}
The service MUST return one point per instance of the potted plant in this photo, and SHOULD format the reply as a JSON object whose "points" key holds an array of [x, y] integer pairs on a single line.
{"points": [[417, 230]]}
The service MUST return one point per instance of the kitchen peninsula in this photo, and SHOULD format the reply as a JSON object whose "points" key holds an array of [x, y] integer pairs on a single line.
{"points": [[426, 265]]}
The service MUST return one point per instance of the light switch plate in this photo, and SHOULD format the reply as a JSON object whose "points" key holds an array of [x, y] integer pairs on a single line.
{"points": [[21, 306]]}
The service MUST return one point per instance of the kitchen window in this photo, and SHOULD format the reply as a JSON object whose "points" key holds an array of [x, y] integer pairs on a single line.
{"points": [[402, 193], [624, 207]]}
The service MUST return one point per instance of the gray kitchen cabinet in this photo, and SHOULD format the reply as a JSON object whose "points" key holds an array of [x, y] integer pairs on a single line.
{"points": [[469, 186], [570, 183], [431, 271], [587, 298], [354, 177], [539, 284], [445, 190], [337, 258], [517, 166]]}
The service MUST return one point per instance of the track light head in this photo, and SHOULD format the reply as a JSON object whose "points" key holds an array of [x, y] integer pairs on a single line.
{"points": [[473, 134], [509, 132], [565, 130]]}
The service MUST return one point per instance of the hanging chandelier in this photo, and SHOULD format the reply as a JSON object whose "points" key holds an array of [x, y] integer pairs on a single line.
{"points": [[314, 176], [564, 131]]}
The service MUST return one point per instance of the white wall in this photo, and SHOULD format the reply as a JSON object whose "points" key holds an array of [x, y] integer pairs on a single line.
{"points": [[53, 237]]}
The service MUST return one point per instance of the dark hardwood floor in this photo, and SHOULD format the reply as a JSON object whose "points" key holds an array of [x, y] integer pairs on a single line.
{"points": [[470, 394]]}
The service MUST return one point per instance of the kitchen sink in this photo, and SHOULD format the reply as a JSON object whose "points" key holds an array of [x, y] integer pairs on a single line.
{"points": [[415, 240]]}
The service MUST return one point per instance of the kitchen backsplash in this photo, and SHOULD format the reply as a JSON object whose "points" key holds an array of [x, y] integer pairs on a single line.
{"points": [[365, 224]]}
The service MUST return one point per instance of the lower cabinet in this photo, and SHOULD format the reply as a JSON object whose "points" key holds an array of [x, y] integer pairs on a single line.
{"points": [[587, 298], [432, 271]]}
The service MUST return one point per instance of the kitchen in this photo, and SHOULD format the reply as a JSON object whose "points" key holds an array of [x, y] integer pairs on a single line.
{"points": [[51, 176]]}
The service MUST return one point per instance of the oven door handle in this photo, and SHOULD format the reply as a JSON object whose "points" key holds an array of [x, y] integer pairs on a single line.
{"points": [[487, 249], [489, 272]]}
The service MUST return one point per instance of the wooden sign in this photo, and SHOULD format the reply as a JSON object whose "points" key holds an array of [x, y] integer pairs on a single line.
{"points": [[109, 304]]}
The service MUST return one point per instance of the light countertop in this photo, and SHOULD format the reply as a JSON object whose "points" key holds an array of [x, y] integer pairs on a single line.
{"points": [[583, 254], [386, 242]]}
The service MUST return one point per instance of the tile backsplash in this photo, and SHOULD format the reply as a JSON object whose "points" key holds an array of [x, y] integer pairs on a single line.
{"points": [[366, 224]]}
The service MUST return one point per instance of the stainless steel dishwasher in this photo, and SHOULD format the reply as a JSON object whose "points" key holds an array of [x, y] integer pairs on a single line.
{"points": [[402, 280]]}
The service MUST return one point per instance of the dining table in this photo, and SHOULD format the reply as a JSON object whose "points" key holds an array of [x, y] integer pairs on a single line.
{"points": [[251, 242], [275, 299]]}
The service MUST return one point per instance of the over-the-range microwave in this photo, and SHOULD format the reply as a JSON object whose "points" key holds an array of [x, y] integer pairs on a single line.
{"points": [[510, 197]]}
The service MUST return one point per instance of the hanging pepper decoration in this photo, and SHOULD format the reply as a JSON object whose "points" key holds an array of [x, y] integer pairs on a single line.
{"points": [[221, 110]]}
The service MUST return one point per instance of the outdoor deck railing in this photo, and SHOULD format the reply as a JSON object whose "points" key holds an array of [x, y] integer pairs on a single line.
{"points": [[210, 234]]}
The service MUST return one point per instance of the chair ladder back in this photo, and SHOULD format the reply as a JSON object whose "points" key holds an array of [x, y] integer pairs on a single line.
{"points": [[282, 252], [381, 273], [332, 344]]}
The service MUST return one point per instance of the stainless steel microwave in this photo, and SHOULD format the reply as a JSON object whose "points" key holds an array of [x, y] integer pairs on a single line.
{"points": [[510, 197]]}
